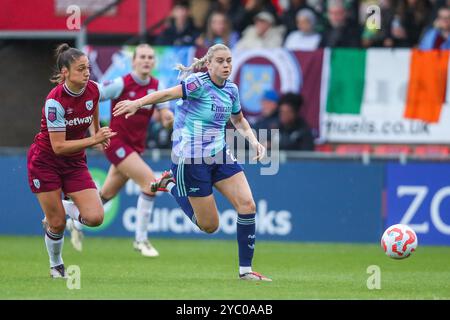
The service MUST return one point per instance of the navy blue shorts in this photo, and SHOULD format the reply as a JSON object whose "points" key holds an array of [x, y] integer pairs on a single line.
{"points": [[196, 177]]}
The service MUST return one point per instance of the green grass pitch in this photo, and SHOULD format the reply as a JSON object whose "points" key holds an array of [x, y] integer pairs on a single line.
{"points": [[207, 269]]}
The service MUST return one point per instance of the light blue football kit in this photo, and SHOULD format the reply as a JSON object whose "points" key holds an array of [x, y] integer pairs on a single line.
{"points": [[199, 133]]}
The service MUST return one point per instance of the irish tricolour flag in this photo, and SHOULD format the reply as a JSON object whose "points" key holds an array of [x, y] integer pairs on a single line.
{"points": [[385, 95]]}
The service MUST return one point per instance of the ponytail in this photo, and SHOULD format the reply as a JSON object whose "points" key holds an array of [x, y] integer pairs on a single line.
{"points": [[199, 63], [64, 56]]}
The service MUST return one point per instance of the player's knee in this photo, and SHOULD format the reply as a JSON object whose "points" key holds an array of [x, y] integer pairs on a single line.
{"points": [[93, 218], [96, 220], [247, 206], [57, 225], [210, 228]]}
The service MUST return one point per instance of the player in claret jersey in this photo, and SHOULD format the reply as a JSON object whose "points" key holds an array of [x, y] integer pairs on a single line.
{"points": [[57, 161], [126, 148]]}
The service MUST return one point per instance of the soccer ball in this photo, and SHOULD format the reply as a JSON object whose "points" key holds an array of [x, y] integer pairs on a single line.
{"points": [[399, 241]]}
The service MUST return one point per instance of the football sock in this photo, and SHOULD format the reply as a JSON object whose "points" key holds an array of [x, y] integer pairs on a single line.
{"points": [[244, 270], [246, 241], [77, 225], [54, 243], [183, 202], [144, 209], [72, 211]]}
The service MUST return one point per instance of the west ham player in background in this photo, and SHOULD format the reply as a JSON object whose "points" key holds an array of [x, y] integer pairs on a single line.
{"points": [[126, 148], [203, 158], [57, 160]]}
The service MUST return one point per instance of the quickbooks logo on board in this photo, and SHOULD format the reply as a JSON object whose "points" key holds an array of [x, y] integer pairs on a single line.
{"points": [[111, 208]]}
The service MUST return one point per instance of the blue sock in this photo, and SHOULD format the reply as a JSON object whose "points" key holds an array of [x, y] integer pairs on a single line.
{"points": [[246, 238], [184, 204]]}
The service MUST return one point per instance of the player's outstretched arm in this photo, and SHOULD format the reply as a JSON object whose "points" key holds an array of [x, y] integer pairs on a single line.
{"points": [[241, 124], [128, 108]]}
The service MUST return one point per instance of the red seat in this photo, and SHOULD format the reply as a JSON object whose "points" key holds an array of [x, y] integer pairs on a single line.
{"points": [[323, 148], [432, 150], [352, 148], [389, 149]]}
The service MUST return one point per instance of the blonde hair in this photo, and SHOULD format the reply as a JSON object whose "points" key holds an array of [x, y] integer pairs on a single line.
{"points": [[199, 63], [140, 46]]}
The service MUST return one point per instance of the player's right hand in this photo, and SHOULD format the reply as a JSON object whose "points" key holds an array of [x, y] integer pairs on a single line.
{"points": [[260, 150], [126, 107]]}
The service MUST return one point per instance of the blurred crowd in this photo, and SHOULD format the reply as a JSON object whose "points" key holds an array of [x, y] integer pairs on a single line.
{"points": [[309, 24], [277, 112], [301, 25]]}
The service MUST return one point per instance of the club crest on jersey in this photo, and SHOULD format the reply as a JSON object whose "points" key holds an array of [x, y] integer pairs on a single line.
{"points": [[120, 152], [89, 105], [37, 183], [132, 94], [51, 115], [194, 85]]}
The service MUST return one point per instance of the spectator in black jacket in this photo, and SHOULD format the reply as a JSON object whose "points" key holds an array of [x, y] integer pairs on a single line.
{"points": [[289, 16], [181, 30], [295, 134], [410, 19], [341, 31], [231, 8], [246, 16], [269, 111]]}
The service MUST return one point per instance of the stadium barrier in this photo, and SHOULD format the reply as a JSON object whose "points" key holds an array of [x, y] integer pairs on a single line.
{"points": [[313, 197]]}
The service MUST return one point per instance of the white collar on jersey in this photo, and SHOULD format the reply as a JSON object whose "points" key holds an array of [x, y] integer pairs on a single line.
{"points": [[71, 93], [139, 80]]}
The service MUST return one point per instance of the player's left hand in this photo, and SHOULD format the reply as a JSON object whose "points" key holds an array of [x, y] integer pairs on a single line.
{"points": [[260, 151], [167, 120], [126, 107]]}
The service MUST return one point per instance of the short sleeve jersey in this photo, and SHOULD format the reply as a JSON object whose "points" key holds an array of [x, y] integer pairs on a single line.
{"points": [[201, 116], [133, 130], [69, 112]]}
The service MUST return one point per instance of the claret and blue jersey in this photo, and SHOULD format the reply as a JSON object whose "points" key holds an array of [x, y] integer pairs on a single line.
{"points": [[202, 114]]}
